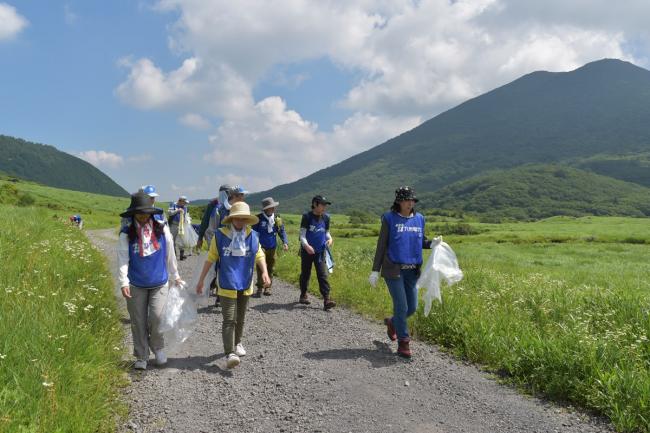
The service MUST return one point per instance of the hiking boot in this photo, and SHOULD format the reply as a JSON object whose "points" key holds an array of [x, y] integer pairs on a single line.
{"points": [[267, 291], [304, 299], [216, 302], [403, 348], [258, 293], [140, 364], [390, 329], [232, 360], [161, 358], [239, 350], [328, 304]]}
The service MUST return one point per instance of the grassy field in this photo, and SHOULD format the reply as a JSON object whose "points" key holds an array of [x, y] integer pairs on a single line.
{"points": [[560, 306], [60, 337]]}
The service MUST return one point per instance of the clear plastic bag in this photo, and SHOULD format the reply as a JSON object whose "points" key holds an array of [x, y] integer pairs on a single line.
{"points": [[179, 316], [212, 273], [329, 260], [441, 266], [187, 238]]}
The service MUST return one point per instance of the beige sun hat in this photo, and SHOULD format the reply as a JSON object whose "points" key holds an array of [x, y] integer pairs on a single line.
{"points": [[241, 210]]}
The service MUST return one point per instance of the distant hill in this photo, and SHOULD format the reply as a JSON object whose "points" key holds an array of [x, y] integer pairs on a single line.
{"points": [[541, 191], [49, 166], [596, 118]]}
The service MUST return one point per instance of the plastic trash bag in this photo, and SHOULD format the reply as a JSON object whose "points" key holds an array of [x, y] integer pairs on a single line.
{"points": [[187, 238], [179, 315], [441, 266], [212, 273], [329, 260]]}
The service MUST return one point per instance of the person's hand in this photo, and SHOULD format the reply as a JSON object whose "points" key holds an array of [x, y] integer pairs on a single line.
{"points": [[309, 249], [178, 281], [126, 291], [436, 241], [285, 247], [199, 244], [199, 288], [373, 278], [329, 242], [266, 280]]}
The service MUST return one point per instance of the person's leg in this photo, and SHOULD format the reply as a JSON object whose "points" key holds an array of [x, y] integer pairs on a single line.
{"points": [[242, 304], [157, 300], [258, 283], [137, 307], [400, 307], [306, 261], [322, 275], [410, 290], [229, 313], [270, 264]]}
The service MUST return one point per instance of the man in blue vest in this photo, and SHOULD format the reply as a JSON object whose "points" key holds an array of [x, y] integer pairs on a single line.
{"points": [[209, 221], [269, 226], [176, 212], [315, 238]]}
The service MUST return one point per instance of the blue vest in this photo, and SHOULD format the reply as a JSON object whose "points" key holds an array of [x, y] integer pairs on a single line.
{"points": [[223, 213], [236, 273], [150, 271], [405, 236], [317, 231], [176, 219], [267, 240]]}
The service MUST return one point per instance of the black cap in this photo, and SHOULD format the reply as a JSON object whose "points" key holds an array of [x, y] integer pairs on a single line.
{"points": [[405, 193], [319, 199], [140, 203]]}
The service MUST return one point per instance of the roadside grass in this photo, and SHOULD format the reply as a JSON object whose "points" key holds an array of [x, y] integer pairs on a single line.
{"points": [[60, 336], [568, 320]]}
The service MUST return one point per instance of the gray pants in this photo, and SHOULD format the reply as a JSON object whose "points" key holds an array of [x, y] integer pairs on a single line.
{"points": [[145, 309], [234, 314], [173, 228]]}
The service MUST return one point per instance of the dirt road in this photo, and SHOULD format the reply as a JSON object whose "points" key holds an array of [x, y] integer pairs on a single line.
{"points": [[313, 371]]}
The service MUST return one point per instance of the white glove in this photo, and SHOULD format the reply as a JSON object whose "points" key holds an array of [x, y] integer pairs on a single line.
{"points": [[436, 241], [372, 279]]}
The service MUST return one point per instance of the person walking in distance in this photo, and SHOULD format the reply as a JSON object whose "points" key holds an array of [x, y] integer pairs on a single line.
{"points": [[399, 257], [315, 238], [269, 226], [236, 250], [146, 261], [176, 213], [210, 219]]}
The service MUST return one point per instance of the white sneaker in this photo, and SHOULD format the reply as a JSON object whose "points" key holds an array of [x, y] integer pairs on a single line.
{"points": [[232, 360], [239, 350], [161, 358], [140, 364]]}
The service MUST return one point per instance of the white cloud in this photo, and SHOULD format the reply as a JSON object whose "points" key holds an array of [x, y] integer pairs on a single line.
{"points": [[412, 59], [11, 22], [101, 158], [69, 15]]}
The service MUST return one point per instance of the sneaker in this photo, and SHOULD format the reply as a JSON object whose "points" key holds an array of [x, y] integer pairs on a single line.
{"points": [[267, 291], [403, 348], [140, 364], [232, 360], [328, 304], [239, 350], [161, 358], [390, 329], [304, 299]]}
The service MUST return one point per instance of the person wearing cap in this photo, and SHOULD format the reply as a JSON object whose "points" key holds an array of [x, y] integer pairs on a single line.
{"points": [[210, 219], [146, 262], [177, 211], [399, 257], [150, 190], [236, 194], [269, 226], [235, 248], [315, 238]]}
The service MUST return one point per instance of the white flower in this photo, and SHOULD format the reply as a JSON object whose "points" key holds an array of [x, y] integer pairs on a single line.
{"points": [[2, 356], [48, 384]]}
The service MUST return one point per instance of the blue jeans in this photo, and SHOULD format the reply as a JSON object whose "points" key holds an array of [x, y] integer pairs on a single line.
{"points": [[405, 299]]}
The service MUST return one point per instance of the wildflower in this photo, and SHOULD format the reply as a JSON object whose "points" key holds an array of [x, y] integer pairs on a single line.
{"points": [[2, 356], [48, 384]]}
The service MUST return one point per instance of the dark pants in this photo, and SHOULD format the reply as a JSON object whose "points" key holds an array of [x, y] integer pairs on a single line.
{"points": [[318, 260], [270, 263]]}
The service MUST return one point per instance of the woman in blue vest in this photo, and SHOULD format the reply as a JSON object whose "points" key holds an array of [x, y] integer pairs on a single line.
{"points": [[315, 238], [269, 226], [399, 257], [236, 250], [146, 262]]}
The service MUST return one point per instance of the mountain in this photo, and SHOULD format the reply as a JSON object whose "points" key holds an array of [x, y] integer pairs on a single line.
{"points": [[541, 191], [49, 166], [596, 118]]}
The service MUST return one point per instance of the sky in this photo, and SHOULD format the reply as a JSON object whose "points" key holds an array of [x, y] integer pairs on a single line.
{"points": [[191, 94]]}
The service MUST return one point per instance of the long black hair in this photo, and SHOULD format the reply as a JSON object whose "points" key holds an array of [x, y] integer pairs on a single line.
{"points": [[158, 229]]}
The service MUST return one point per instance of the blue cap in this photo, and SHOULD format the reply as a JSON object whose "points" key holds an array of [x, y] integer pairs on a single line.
{"points": [[150, 190], [239, 190]]}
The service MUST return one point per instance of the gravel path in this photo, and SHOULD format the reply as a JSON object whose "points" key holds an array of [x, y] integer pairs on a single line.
{"points": [[313, 371]]}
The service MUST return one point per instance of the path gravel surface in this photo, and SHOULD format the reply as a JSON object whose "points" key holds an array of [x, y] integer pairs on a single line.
{"points": [[313, 371]]}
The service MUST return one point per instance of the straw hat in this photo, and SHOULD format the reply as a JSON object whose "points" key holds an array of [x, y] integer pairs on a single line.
{"points": [[241, 210]]}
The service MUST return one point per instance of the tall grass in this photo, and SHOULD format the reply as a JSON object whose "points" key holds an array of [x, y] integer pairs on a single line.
{"points": [[566, 320], [60, 338]]}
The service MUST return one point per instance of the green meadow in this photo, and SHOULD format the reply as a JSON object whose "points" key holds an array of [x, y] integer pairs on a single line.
{"points": [[558, 307]]}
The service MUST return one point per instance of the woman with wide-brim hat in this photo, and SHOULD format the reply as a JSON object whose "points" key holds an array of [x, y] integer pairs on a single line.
{"points": [[235, 248], [399, 257], [146, 263], [269, 226]]}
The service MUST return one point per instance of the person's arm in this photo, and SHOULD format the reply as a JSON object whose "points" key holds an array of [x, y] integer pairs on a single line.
{"points": [[173, 210], [123, 260], [328, 236], [304, 225], [283, 234], [382, 246], [172, 265], [260, 261], [205, 221], [213, 256]]}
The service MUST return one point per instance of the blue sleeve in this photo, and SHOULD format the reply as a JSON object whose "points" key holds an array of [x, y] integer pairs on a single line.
{"points": [[283, 234]]}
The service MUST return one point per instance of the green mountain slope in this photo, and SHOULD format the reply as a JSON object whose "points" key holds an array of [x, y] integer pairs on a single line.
{"points": [[540, 191], [602, 108], [49, 166]]}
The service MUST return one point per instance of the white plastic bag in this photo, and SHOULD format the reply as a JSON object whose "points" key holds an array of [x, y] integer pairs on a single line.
{"points": [[442, 265], [212, 273], [329, 260], [179, 316], [187, 238]]}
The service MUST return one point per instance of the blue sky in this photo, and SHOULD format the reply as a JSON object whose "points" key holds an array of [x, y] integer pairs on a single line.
{"points": [[190, 94]]}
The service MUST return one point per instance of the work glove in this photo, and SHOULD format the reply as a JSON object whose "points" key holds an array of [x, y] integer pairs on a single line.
{"points": [[436, 241], [372, 279]]}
